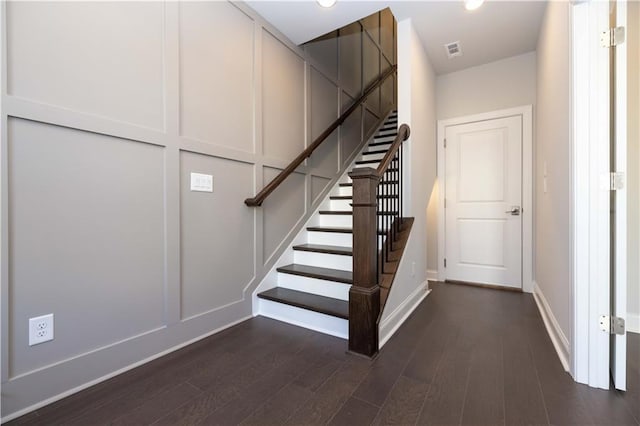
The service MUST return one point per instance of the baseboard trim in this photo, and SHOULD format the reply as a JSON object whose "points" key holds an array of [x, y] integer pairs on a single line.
{"points": [[488, 286], [432, 275], [389, 326], [633, 322], [84, 386], [559, 340]]}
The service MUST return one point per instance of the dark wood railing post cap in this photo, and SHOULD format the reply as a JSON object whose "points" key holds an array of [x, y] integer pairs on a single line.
{"points": [[363, 173]]}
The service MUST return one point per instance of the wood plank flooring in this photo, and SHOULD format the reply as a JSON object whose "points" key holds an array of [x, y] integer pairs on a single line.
{"points": [[465, 356]]}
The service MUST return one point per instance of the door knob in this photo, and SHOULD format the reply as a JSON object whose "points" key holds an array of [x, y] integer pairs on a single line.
{"points": [[515, 211]]}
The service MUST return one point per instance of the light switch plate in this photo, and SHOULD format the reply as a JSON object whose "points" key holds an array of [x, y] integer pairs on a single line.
{"points": [[201, 182]]}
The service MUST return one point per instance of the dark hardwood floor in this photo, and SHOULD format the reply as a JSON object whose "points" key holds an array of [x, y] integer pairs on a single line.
{"points": [[466, 356]]}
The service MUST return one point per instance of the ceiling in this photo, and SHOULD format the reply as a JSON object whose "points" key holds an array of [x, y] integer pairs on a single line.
{"points": [[498, 30]]}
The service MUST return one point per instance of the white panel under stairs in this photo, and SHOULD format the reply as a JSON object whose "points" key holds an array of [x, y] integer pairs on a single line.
{"points": [[313, 292]]}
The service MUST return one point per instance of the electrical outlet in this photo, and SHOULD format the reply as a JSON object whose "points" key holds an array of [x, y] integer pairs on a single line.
{"points": [[40, 329]]}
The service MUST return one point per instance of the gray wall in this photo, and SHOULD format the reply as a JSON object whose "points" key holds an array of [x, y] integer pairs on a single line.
{"points": [[552, 221], [106, 110]]}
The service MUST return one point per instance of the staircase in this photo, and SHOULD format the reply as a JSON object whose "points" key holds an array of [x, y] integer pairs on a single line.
{"points": [[313, 291]]}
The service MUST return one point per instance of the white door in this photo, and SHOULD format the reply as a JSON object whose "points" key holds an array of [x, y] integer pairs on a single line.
{"points": [[483, 199], [618, 343]]}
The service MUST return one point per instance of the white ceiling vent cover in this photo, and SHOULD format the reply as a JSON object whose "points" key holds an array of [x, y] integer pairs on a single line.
{"points": [[453, 49]]}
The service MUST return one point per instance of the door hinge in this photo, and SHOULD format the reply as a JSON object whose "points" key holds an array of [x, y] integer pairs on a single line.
{"points": [[445, 142], [612, 37], [445, 262], [616, 181], [611, 324], [445, 203]]}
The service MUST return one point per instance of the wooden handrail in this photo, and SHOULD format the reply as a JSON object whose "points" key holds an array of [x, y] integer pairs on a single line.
{"points": [[403, 134], [262, 195]]}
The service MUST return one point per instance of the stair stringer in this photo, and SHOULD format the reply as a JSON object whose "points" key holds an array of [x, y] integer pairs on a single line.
{"points": [[312, 320]]}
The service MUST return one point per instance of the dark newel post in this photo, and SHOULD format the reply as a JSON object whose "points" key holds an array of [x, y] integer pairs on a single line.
{"points": [[364, 296]]}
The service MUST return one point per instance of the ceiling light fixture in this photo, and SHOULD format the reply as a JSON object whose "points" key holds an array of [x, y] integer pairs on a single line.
{"points": [[326, 3], [472, 4]]}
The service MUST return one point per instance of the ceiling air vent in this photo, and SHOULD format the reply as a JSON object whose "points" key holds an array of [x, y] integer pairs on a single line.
{"points": [[453, 49]]}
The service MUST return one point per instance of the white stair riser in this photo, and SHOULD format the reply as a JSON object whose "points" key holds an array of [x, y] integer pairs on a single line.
{"points": [[345, 190], [343, 221], [324, 288], [304, 318], [372, 156], [323, 260], [384, 138], [330, 238], [345, 205], [346, 221], [342, 205], [348, 190]]}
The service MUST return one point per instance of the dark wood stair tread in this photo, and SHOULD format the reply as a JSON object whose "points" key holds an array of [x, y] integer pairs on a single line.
{"points": [[334, 229], [324, 305], [320, 248], [368, 161], [380, 151], [336, 275], [350, 197], [389, 142], [337, 229], [389, 182], [350, 213]]}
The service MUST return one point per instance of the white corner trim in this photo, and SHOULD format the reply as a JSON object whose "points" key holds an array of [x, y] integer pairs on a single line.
{"points": [[633, 322], [432, 275], [389, 326], [560, 341], [84, 386]]}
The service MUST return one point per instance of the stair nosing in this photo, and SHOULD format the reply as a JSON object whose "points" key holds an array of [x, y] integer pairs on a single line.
{"points": [[334, 229], [350, 197], [337, 230], [324, 249], [347, 184], [350, 213]]}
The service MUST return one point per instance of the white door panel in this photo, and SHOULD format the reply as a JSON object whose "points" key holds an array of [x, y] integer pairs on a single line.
{"points": [[483, 184]]}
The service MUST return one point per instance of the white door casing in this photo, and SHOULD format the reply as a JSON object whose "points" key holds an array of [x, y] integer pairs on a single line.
{"points": [[483, 197], [618, 357], [525, 116]]}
